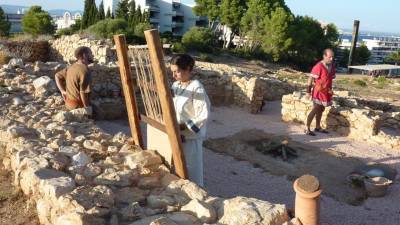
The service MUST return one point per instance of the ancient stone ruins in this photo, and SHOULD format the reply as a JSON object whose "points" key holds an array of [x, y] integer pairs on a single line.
{"points": [[77, 174]]}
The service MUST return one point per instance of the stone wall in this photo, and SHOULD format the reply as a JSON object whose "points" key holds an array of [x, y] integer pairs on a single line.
{"points": [[363, 120], [226, 85], [62, 49], [77, 174]]}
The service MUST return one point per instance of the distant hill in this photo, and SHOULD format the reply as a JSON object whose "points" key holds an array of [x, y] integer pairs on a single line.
{"points": [[15, 8]]}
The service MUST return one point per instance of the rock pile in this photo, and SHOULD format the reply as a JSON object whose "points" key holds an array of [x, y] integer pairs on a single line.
{"points": [[370, 121], [78, 174]]}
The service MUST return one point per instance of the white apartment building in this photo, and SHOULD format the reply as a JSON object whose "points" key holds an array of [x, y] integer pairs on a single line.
{"points": [[66, 20], [380, 47], [166, 15]]}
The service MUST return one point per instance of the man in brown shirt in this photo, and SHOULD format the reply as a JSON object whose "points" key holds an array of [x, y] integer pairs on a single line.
{"points": [[74, 82]]}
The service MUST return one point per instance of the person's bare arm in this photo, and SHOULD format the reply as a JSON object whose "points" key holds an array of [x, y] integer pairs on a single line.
{"points": [[85, 99], [60, 82]]}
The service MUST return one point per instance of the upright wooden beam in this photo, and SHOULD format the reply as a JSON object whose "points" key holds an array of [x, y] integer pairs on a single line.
{"points": [[169, 115], [127, 86]]}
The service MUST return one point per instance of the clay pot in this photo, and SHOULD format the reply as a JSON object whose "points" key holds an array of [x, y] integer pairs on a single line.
{"points": [[307, 199]]}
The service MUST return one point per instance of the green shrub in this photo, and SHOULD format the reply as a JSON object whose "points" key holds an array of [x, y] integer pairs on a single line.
{"points": [[178, 48], [381, 80], [198, 39], [360, 83], [140, 28], [205, 58], [108, 28], [65, 31]]}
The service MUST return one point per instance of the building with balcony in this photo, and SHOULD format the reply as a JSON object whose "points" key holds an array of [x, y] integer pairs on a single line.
{"points": [[165, 15]]}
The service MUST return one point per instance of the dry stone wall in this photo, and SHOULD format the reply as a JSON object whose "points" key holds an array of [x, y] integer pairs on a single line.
{"points": [[371, 121], [64, 47], [77, 174]]}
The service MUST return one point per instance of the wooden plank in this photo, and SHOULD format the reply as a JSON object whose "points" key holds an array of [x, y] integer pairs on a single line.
{"points": [[127, 86], [169, 115], [153, 123]]}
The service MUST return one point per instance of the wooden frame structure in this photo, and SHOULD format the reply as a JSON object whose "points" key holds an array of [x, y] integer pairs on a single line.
{"points": [[169, 124]]}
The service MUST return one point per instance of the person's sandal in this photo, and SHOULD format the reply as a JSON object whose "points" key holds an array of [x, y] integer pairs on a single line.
{"points": [[320, 130], [309, 132]]}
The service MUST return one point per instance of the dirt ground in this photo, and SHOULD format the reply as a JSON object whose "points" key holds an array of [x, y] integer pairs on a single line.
{"points": [[15, 209], [331, 167]]}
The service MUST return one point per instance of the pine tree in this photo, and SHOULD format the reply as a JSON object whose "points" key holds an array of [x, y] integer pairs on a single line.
{"points": [[108, 15], [132, 14], [101, 15], [122, 11], [89, 14], [5, 26]]}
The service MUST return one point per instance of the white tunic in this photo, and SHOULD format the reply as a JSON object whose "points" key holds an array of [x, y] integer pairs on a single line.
{"points": [[192, 108]]}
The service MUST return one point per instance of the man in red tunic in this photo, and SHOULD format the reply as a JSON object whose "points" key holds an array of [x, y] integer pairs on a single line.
{"points": [[322, 74]]}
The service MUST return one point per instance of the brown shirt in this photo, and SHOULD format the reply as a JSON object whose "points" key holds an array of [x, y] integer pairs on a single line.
{"points": [[77, 79]]}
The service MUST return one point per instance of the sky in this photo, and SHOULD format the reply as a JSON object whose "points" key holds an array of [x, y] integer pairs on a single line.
{"points": [[382, 15]]}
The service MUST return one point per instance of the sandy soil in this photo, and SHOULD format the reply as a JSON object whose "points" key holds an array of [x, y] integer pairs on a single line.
{"points": [[228, 177]]}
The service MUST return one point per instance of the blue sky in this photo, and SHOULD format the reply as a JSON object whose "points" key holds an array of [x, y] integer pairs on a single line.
{"points": [[374, 15]]}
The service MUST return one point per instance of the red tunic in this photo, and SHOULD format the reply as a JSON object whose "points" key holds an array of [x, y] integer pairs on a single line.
{"points": [[322, 91]]}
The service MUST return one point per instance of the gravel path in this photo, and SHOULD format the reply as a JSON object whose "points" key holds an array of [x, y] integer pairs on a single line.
{"points": [[227, 177]]}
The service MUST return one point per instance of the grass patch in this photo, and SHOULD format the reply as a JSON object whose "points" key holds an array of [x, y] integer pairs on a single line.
{"points": [[360, 83]]}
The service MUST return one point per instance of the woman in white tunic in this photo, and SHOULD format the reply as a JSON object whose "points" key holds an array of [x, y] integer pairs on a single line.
{"points": [[192, 108]]}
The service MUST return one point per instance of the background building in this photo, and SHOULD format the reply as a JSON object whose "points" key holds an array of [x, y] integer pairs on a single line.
{"points": [[166, 15], [66, 20]]}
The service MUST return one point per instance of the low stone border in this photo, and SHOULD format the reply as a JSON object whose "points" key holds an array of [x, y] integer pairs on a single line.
{"points": [[351, 116]]}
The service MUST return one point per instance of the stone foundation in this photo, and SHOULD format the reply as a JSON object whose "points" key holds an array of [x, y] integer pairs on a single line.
{"points": [[76, 174], [371, 121]]}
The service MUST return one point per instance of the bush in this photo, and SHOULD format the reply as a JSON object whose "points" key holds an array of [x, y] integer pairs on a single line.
{"points": [[65, 31], [205, 58], [360, 83], [108, 28], [140, 28], [178, 48], [381, 80], [198, 39]]}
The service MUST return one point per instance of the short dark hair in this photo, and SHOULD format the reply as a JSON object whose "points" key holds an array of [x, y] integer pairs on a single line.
{"points": [[80, 51], [183, 61]]}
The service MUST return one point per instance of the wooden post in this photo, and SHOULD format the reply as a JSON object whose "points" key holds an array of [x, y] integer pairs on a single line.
{"points": [[353, 44], [127, 86], [169, 115]]}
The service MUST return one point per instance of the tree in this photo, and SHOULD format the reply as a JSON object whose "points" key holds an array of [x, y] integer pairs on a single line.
{"points": [[309, 40], [252, 23], [122, 11], [132, 14], [361, 55], [394, 58], [36, 22], [5, 26], [232, 12], [89, 14], [209, 8], [101, 14], [198, 39], [277, 40], [108, 15]]}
